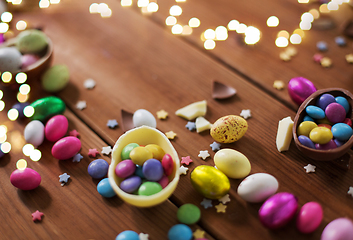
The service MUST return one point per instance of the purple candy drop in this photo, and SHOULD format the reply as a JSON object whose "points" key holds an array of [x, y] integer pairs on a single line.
{"points": [[324, 100], [130, 184], [335, 113], [153, 170]]}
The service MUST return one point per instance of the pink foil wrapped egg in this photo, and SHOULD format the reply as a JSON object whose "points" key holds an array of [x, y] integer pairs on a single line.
{"points": [[66, 148], [25, 179], [300, 88], [56, 128], [278, 210]]}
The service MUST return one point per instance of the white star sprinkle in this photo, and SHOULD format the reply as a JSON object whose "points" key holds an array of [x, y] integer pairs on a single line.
{"points": [[224, 199], [89, 83], [350, 191], [143, 236], [245, 113], [204, 154], [183, 170], [81, 105], [310, 168], [106, 150]]}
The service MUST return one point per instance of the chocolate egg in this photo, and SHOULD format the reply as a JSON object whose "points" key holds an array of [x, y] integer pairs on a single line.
{"points": [[210, 182], [232, 163], [300, 88], [229, 129]]}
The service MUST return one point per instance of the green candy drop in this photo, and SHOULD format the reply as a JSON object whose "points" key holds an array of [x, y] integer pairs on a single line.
{"points": [[189, 213], [44, 108], [55, 78], [149, 188], [125, 153]]}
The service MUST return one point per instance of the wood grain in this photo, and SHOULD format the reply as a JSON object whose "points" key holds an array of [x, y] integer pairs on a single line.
{"points": [[137, 63]]}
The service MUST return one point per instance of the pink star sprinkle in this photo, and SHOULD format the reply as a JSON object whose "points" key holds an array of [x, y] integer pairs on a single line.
{"points": [[92, 152], [186, 160], [37, 216], [74, 133]]}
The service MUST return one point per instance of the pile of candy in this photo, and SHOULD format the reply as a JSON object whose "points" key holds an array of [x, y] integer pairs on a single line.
{"points": [[145, 169], [326, 125]]}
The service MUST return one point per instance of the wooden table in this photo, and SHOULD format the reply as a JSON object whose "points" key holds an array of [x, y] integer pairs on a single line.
{"points": [[138, 63]]}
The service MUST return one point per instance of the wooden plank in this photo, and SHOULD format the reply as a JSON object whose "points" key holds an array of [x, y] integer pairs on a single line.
{"points": [[138, 64]]}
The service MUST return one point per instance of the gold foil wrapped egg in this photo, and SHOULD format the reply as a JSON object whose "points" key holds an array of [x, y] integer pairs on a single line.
{"points": [[229, 129], [210, 182]]}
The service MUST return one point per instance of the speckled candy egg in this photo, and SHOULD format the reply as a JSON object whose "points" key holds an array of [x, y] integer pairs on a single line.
{"points": [[10, 59], [66, 148], [34, 133], [31, 41], [25, 179], [232, 163], [300, 88], [210, 182], [338, 229], [229, 129], [56, 128], [257, 187]]}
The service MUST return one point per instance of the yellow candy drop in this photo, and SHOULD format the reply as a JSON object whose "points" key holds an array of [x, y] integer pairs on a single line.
{"points": [[321, 135], [305, 128], [139, 155], [156, 151]]}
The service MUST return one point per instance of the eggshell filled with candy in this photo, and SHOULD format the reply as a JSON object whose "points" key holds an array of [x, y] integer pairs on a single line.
{"points": [[232, 163], [210, 182], [300, 88], [278, 210], [56, 128], [257, 187], [338, 229], [25, 179], [229, 129], [66, 148], [34, 133]]}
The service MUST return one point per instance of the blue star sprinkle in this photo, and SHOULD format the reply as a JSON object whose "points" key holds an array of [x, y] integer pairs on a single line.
{"points": [[321, 46], [215, 146], [340, 41], [64, 178], [191, 126], [77, 157], [112, 123], [206, 203]]}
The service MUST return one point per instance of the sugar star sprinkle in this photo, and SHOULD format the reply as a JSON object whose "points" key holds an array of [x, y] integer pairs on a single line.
{"points": [[37, 216], [215, 146], [89, 83], [203, 154], [317, 57], [77, 158], [350, 191], [191, 126], [186, 160], [161, 114], [64, 178], [112, 123], [106, 150], [199, 234], [221, 208], [284, 56], [326, 62], [92, 152], [310, 168], [349, 58], [74, 133], [183, 170], [143, 236], [170, 135], [224, 199], [245, 113], [81, 105], [206, 203], [291, 51], [278, 84]]}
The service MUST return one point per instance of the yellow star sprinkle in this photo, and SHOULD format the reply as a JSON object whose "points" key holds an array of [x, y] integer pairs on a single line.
{"points": [[291, 51], [278, 84], [162, 114], [199, 234], [349, 58], [284, 56], [326, 62], [170, 134], [221, 208]]}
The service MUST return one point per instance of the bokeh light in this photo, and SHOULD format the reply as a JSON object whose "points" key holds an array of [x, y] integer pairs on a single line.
{"points": [[170, 21], [27, 149], [44, 3], [28, 111], [283, 33], [194, 22], [21, 164], [6, 77], [175, 10], [24, 89], [21, 25], [6, 17], [4, 27], [241, 28], [272, 21], [209, 44], [35, 155], [6, 147], [142, 3], [177, 29], [233, 25], [22, 97], [295, 39], [126, 3], [12, 114], [187, 30], [221, 33], [21, 77], [152, 7], [210, 34], [2, 105], [93, 8], [281, 42]]}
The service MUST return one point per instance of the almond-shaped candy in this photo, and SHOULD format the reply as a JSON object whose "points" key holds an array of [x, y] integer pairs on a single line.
{"points": [[34, 133], [46, 107], [56, 128], [25, 179], [229, 129], [66, 148]]}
